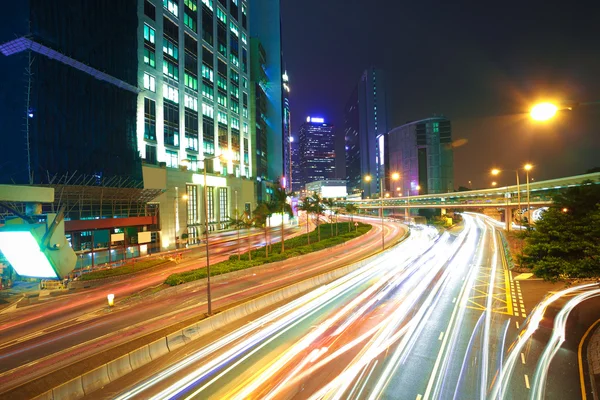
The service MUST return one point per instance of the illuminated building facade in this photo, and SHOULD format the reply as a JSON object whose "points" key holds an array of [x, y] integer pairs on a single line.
{"points": [[365, 126], [421, 151], [317, 151]]}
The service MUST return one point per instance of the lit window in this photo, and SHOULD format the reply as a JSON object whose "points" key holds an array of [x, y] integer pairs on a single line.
{"points": [[149, 82], [170, 93], [191, 102], [244, 83], [207, 73], [209, 4], [190, 81], [208, 91], [235, 92], [172, 159], [208, 111], [149, 57], [222, 118], [235, 61], [222, 16], [170, 69], [222, 99], [245, 112], [234, 29], [191, 4], [189, 21], [235, 123], [222, 82], [149, 34], [170, 48], [171, 6], [244, 38]]}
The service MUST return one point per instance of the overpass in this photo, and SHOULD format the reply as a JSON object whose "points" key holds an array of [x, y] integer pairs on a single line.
{"points": [[541, 193]]}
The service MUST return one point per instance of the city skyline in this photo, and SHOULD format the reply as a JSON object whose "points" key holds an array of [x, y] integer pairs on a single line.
{"points": [[464, 64]]}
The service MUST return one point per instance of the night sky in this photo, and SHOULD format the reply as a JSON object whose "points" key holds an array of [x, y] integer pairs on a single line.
{"points": [[482, 64]]}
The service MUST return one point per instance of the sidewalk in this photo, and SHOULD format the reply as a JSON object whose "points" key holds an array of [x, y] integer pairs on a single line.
{"points": [[593, 356]]}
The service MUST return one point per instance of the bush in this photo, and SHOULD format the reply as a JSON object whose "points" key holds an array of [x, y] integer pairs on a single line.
{"points": [[294, 247], [123, 270]]}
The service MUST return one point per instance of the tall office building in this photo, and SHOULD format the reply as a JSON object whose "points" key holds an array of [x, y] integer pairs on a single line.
{"points": [[268, 79], [287, 132], [317, 151], [365, 126], [421, 151], [69, 89], [194, 67], [296, 171]]}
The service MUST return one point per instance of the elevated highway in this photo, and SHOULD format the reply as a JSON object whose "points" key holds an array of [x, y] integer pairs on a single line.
{"points": [[506, 198]]}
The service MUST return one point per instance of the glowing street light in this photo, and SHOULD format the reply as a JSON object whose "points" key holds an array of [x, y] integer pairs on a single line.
{"points": [[543, 111], [494, 183]]}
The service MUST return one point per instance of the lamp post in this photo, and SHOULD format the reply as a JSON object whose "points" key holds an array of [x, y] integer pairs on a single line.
{"points": [[395, 176], [527, 168], [497, 171], [208, 296]]}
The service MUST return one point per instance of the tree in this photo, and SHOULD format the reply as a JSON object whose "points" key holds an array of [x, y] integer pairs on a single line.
{"points": [[566, 240], [318, 209], [238, 222], [261, 214], [279, 201], [306, 206], [351, 209], [330, 204]]}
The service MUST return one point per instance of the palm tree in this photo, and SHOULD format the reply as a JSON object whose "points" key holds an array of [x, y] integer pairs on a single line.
{"points": [[351, 209], [307, 207], [318, 209], [330, 203], [261, 214], [279, 201]]}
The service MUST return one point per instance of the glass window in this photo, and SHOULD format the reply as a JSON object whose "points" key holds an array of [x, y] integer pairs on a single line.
{"points": [[170, 93], [208, 111], [149, 119], [244, 83], [208, 3], [149, 34], [244, 38], [149, 10], [235, 61], [191, 102], [221, 82], [209, 146], [235, 123], [234, 29], [234, 76], [235, 92], [170, 69], [170, 48], [171, 6], [207, 26], [190, 21], [150, 154], [221, 99], [235, 106], [172, 159], [208, 91], [210, 199], [222, 118], [149, 82], [149, 57], [223, 204], [191, 4], [190, 81], [207, 73], [221, 15]]}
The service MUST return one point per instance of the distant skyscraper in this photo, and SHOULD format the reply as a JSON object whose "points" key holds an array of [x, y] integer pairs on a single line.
{"points": [[296, 171], [317, 151], [421, 151], [365, 126]]}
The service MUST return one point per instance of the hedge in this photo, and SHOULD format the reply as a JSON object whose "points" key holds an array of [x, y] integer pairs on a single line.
{"points": [[293, 247], [123, 270]]}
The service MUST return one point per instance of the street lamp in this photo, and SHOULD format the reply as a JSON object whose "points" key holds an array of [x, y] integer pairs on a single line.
{"points": [[543, 111], [225, 156], [394, 176], [497, 171], [527, 168], [494, 183]]}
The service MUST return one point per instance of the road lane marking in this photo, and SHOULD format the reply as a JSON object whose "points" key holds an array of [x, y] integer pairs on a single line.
{"points": [[454, 300], [527, 382], [522, 277], [517, 323], [419, 397], [523, 358], [441, 336], [580, 360]]}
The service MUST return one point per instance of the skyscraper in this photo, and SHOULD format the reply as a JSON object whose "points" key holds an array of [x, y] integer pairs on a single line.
{"points": [[317, 151], [421, 151], [296, 171], [273, 86], [365, 126]]}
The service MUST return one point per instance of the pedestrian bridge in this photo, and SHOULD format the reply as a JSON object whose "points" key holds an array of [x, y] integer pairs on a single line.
{"points": [[540, 194]]}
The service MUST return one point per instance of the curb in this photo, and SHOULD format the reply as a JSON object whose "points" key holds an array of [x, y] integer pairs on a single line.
{"points": [[593, 359], [88, 382]]}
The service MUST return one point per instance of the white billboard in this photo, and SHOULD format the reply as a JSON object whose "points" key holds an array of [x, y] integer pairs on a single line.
{"points": [[333, 191]]}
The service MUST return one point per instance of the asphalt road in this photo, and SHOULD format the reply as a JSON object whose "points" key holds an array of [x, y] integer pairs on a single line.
{"points": [[38, 339], [412, 325]]}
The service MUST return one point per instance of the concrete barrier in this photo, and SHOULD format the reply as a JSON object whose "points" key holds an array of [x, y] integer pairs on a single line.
{"points": [[176, 340], [135, 359], [158, 348], [139, 357], [95, 379], [119, 367], [70, 390]]}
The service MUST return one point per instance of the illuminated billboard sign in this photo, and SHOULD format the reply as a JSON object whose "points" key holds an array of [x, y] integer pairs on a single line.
{"points": [[333, 191], [22, 251], [315, 120]]}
